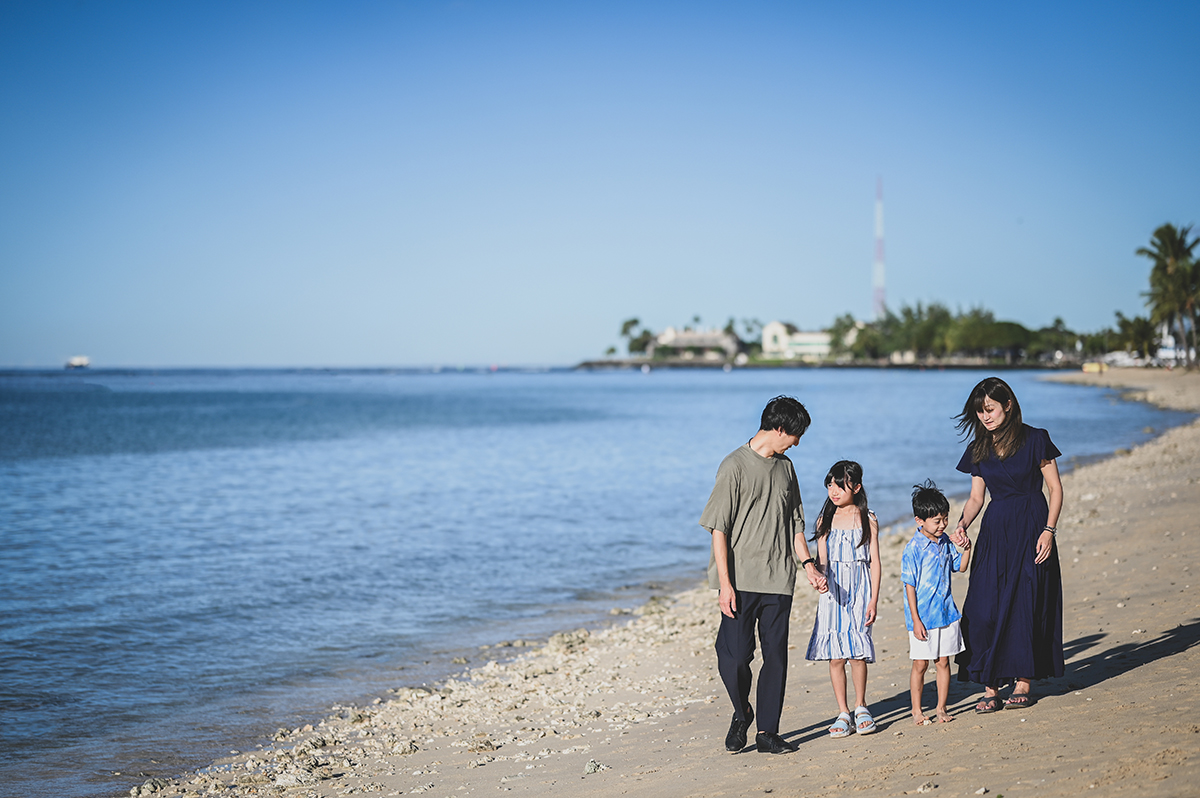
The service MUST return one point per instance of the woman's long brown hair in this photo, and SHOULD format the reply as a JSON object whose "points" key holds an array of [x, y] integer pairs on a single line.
{"points": [[1009, 437]]}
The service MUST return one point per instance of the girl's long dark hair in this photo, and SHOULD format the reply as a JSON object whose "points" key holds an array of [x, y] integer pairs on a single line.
{"points": [[847, 474], [1008, 438]]}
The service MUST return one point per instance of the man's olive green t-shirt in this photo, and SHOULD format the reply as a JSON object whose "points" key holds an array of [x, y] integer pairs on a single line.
{"points": [[756, 503]]}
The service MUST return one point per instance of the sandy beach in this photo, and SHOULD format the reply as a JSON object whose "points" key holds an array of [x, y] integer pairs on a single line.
{"points": [[637, 708]]}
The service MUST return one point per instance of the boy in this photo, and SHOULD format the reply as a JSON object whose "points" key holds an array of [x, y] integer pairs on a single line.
{"points": [[929, 611], [757, 525]]}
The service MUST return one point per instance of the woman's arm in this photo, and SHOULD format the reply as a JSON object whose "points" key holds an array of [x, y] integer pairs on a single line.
{"points": [[970, 510], [876, 572], [1045, 542]]}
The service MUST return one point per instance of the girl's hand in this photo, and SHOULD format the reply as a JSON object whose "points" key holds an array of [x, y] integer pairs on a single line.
{"points": [[870, 613], [1045, 545]]}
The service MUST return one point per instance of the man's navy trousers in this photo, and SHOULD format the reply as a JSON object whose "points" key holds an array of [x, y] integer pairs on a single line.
{"points": [[770, 612]]}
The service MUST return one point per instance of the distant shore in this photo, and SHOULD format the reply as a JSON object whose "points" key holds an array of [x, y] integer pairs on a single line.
{"points": [[637, 708], [968, 364]]}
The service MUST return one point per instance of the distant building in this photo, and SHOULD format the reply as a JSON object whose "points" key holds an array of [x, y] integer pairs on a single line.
{"points": [[1167, 349], [688, 344], [785, 341]]}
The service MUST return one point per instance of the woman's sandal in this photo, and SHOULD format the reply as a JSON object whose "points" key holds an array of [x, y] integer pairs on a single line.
{"points": [[861, 716], [841, 726], [988, 704], [1018, 701]]}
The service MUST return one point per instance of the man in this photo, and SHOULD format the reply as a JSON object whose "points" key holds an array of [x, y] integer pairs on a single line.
{"points": [[757, 525]]}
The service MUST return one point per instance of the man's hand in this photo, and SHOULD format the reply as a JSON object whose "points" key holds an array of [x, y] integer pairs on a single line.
{"points": [[727, 600]]}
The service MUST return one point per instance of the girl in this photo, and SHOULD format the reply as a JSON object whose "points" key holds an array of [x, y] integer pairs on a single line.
{"points": [[848, 553], [1012, 615]]}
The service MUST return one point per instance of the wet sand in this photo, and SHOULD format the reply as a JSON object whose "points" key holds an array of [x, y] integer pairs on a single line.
{"points": [[638, 708]]}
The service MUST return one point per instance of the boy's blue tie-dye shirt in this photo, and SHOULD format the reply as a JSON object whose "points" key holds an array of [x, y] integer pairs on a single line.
{"points": [[927, 565]]}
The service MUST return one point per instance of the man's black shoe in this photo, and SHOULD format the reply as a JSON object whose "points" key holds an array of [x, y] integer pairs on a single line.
{"points": [[736, 739], [772, 743]]}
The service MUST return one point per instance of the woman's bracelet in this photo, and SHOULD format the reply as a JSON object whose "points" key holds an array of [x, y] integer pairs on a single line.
{"points": [[1050, 529], [806, 562]]}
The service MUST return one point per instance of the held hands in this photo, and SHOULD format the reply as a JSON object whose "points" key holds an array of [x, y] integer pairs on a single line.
{"points": [[959, 537], [1045, 545], [816, 578]]}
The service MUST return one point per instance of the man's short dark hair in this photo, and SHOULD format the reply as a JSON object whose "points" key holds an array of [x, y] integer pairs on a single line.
{"points": [[928, 501], [787, 414]]}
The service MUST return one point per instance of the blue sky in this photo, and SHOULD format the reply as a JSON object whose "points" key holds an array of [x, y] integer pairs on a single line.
{"points": [[411, 183]]}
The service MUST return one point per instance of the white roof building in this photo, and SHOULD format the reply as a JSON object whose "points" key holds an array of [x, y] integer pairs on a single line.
{"points": [[710, 344], [784, 341]]}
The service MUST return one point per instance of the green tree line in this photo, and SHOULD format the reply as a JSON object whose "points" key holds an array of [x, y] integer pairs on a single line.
{"points": [[932, 330]]}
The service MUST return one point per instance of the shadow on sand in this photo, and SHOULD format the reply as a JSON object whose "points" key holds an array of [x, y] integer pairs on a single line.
{"points": [[1080, 673]]}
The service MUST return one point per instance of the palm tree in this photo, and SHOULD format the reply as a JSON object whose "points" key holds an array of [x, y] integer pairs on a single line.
{"points": [[1164, 299], [1174, 295], [1137, 334]]}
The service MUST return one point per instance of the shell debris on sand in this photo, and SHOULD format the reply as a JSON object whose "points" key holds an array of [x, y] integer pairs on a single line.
{"points": [[537, 706]]}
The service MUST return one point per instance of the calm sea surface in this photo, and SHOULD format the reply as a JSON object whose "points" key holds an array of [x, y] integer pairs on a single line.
{"points": [[190, 560]]}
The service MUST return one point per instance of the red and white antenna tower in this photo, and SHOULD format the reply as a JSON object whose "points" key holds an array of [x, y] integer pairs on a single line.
{"points": [[877, 276]]}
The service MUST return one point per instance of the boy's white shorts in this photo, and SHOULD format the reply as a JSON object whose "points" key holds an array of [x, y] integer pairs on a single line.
{"points": [[945, 641]]}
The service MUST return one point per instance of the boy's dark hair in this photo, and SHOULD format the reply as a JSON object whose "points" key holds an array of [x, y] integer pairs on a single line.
{"points": [[787, 414], [928, 501]]}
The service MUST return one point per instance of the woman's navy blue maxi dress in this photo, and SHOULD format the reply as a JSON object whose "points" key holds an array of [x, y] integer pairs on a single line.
{"points": [[1012, 616]]}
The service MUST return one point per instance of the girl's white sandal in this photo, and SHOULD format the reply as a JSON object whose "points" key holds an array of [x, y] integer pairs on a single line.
{"points": [[863, 714], [841, 726]]}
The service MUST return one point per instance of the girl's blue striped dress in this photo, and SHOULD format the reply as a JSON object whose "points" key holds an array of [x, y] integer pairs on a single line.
{"points": [[840, 630]]}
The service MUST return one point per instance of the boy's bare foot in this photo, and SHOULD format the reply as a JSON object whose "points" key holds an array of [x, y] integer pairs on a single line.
{"points": [[919, 718], [943, 716]]}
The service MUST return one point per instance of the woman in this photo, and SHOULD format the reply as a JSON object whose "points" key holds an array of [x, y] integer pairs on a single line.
{"points": [[1012, 616]]}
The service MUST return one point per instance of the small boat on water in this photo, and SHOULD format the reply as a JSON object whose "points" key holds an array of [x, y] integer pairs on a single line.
{"points": [[79, 362]]}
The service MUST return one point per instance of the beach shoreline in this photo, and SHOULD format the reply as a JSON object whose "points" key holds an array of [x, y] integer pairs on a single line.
{"points": [[637, 706]]}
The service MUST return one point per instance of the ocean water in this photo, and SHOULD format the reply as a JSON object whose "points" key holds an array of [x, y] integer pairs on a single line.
{"points": [[191, 560]]}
